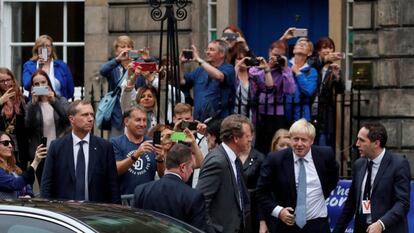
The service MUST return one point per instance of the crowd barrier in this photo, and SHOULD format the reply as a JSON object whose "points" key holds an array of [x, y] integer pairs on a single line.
{"points": [[337, 201]]}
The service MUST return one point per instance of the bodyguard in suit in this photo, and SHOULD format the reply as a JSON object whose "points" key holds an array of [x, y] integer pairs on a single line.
{"points": [[80, 166], [379, 196], [170, 195], [294, 183], [220, 177]]}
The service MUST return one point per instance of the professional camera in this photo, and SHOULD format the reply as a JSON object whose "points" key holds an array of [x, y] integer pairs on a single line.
{"points": [[279, 61]]}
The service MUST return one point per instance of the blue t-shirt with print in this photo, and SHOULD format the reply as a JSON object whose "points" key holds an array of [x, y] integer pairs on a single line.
{"points": [[142, 171], [212, 97]]}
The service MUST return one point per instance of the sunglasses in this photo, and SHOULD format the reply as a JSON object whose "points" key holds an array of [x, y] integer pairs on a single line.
{"points": [[6, 143]]}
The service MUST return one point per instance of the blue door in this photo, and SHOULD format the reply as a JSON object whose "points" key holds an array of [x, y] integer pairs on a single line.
{"points": [[264, 21]]}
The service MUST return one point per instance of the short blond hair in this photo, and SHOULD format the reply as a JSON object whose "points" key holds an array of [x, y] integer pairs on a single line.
{"points": [[302, 126], [123, 40], [279, 134], [310, 44]]}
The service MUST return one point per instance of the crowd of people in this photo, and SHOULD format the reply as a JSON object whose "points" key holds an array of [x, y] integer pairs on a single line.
{"points": [[242, 156]]}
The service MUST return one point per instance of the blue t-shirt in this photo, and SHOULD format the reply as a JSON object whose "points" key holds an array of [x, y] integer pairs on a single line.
{"points": [[212, 97], [142, 171]]}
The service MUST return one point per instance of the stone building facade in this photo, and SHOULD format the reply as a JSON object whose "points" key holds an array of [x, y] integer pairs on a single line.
{"points": [[383, 38]]}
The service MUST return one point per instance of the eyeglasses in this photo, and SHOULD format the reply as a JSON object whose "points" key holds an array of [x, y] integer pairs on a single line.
{"points": [[6, 142], [5, 81]]}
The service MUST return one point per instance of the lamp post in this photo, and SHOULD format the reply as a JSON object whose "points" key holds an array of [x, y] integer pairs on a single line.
{"points": [[174, 11]]}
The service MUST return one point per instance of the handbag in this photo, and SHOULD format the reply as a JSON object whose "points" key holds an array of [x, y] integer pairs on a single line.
{"points": [[107, 103]]}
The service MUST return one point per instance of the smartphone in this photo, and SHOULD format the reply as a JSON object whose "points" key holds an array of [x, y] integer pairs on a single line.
{"points": [[146, 66], [300, 32], [156, 139], [43, 141], [191, 125], [230, 36], [44, 53], [41, 90], [188, 54], [133, 54], [178, 136]]}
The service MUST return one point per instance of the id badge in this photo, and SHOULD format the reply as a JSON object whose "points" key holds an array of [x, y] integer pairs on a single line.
{"points": [[366, 206]]}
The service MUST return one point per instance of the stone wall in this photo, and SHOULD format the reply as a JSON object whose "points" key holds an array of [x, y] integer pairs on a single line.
{"points": [[383, 34]]}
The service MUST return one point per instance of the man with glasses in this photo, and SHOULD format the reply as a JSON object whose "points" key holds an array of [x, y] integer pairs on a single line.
{"points": [[170, 195], [213, 82]]}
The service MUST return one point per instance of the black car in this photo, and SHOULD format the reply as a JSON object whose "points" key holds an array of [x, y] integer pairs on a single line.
{"points": [[42, 216]]}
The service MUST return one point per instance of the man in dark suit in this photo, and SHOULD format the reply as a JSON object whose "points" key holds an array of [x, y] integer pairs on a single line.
{"points": [[220, 180], [294, 183], [80, 166], [170, 195], [382, 204]]}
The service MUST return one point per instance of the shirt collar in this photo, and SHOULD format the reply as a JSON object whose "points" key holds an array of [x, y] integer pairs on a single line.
{"points": [[230, 153], [307, 158], [76, 139], [173, 173], [378, 159]]}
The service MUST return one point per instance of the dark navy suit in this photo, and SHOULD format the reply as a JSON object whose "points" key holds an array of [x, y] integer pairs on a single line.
{"points": [[390, 195], [58, 180], [171, 196], [277, 186]]}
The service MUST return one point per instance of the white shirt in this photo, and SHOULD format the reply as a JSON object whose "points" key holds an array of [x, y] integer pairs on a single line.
{"points": [[232, 156], [374, 171], [76, 147], [315, 201]]}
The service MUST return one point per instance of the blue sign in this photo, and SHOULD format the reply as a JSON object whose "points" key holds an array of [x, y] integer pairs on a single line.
{"points": [[336, 202]]}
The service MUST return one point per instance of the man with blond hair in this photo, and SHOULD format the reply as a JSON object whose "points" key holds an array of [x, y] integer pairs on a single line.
{"points": [[295, 182]]}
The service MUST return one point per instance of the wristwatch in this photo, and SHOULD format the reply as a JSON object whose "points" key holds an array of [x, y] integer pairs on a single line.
{"points": [[131, 156]]}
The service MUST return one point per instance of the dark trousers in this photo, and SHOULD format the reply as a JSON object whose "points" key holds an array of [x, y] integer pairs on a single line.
{"points": [[318, 225]]}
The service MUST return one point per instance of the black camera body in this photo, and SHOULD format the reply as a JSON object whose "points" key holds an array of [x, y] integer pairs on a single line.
{"points": [[280, 61], [252, 62]]}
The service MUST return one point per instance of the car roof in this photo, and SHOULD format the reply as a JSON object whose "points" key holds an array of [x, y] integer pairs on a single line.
{"points": [[101, 217]]}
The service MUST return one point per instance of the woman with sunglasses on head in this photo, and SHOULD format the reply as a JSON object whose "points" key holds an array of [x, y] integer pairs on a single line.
{"points": [[13, 182], [45, 114], [12, 114], [44, 57]]}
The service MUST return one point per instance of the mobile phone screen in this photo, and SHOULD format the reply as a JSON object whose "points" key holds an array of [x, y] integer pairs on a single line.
{"points": [[178, 136]]}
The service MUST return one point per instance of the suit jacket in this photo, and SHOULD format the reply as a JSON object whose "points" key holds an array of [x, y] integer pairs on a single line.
{"points": [[277, 185], [58, 179], [171, 196], [219, 186], [390, 195]]}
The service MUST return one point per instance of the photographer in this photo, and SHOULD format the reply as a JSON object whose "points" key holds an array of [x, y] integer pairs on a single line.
{"points": [[271, 115], [213, 82]]}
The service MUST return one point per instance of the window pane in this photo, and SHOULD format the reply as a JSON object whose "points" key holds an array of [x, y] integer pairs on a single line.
{"points": [[51, 20], [213, 16], [76, 22], [76, 64], [16, 224], [23, 27], [20, 56]]}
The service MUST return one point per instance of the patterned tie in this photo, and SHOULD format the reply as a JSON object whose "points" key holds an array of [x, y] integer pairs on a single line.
{"points": [[242, 190], [300, 210], [80, 174]]}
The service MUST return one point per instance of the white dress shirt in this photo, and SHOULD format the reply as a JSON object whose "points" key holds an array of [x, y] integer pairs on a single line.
{"points": [[76, 147]]}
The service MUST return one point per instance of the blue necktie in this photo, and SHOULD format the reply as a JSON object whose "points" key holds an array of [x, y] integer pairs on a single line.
{"points": [[300, 210], [80, 174], [242, 191]]}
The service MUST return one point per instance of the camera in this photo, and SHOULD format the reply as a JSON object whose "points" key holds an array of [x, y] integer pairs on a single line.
{"points": [[280, 61], [133, 54], [252, 62], [188, 54], [230, 36]]}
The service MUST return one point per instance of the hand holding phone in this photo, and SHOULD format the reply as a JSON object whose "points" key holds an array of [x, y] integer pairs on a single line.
{"points": [[188, 54], [146, 66], [191, 125], [178, 136], [300, 32], [40, 90]]}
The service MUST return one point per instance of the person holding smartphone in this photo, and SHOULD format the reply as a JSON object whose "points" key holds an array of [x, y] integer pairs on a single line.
{"points": [[12, 114], [45, 115], [44, 57]]}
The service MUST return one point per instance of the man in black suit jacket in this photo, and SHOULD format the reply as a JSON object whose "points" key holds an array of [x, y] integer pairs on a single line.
{"points": [[59, 180], [170, 195], [279, 181], [226, 194], [382, 206]]}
